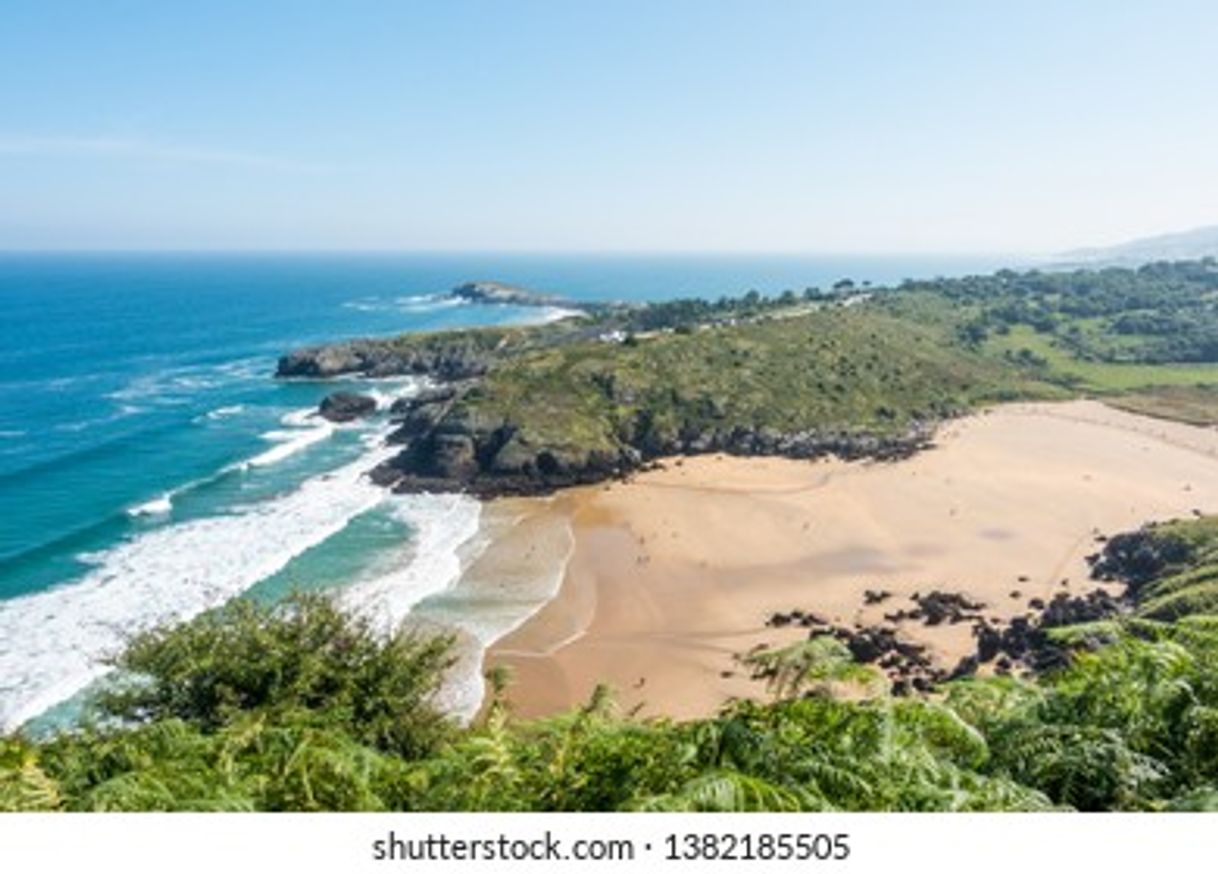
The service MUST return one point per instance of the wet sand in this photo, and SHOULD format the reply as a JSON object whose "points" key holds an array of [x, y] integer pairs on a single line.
{"points": [[676, 572]]}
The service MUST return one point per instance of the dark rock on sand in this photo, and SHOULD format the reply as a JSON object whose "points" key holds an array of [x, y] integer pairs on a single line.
{"points": [[989, 641], [966, 667], [1136, 557], [1092, 607], [953, 607]]}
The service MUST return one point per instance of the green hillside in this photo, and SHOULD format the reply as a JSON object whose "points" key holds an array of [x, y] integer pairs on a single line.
{"points": [[853, 369]]}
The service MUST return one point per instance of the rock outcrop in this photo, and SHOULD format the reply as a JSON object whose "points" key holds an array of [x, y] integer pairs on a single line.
{"points": [[450, 457], [345, 406], [1137, 557], [448, 446], [1024, 643], [458, 358]]}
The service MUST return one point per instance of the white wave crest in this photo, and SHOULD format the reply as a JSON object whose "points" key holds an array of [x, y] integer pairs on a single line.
{"points": [[226, 412], [440, 524], [300, 418], [502, 585], [52, 643], [159, 506], [426, 303], [411, 303], [124, 411], [304, 429], [288, 446], [177, 385], [549, 314]]}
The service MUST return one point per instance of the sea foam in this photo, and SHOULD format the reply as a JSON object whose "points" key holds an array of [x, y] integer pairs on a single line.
{"points": [[288, 443], [512, 569], [414, 303], [302, 418], [158, 506], [439, 525], [176, 385], [53, 643], [226, 412], [178, 571]]}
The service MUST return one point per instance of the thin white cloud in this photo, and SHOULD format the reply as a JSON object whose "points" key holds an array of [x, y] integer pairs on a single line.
{"points": [[140, 149]]}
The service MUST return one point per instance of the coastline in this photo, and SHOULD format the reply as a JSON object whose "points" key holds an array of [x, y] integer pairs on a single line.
{"points": [[678, 570], [511, 568]]}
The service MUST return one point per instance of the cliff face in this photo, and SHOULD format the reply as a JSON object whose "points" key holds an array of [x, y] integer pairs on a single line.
{"points": [[457, 357], [447, 446]]}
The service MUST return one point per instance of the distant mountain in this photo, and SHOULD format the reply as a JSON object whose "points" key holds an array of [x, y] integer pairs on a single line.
{"points": [[1182, 246]]}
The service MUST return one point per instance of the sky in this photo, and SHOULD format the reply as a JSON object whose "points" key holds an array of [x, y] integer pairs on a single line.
{"points": [[759, 126]]}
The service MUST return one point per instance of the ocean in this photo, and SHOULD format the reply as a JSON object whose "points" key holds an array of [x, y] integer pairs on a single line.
{"points": [[151, 467]]}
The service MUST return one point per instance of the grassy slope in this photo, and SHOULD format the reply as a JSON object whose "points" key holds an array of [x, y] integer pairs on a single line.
{"points": [[1099, 376], [873, 367], [1179, 392], [1192, 404], [849, 369], [1188, 588]]}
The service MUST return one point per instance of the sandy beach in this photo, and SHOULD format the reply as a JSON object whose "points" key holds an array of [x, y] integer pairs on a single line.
{"points": [[677, 571]]}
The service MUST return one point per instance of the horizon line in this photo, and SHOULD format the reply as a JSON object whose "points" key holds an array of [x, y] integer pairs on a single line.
{"points": [[559, 252]]}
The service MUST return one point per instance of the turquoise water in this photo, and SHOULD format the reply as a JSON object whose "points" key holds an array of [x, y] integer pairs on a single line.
{"points": [[150, 467]]}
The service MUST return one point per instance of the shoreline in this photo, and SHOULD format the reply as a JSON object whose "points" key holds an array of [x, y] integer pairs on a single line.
{"points": [[678, 570], [511, 568]]}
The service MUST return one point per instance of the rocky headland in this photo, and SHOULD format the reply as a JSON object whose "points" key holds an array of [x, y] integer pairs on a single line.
{"points": [[530, 409], [447, 447], [451, 445]]}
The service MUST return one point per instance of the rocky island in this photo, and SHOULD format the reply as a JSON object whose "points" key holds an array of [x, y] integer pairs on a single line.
{"points": [[491, 292]]}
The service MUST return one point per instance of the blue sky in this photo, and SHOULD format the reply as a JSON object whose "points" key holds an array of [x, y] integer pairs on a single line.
{"points": [[746, 126]]}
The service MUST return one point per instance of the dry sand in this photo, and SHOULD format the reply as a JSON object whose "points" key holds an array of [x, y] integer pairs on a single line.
{"points": [[676, 572]]}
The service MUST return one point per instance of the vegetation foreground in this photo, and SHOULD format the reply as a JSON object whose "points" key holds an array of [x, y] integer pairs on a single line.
{"points": [[301, 706]]}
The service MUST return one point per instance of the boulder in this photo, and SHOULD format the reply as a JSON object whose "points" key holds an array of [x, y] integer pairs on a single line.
{"points": [[344, 406]]}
